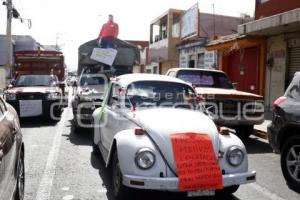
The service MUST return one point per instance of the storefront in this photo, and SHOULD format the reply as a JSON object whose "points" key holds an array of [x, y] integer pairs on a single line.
{"points": [[282, 33], [243, 59], [195, 55]]}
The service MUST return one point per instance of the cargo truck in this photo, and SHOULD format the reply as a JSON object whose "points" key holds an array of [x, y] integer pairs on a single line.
{"points": [[37, 88]]}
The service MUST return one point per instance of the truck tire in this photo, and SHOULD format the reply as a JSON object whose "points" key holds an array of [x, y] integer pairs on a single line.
{"points": [[290, 162]]}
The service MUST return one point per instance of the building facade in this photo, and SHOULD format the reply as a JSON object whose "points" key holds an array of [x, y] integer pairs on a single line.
{"points": [[267, 8], [243, 60], [164, 37], [281, 28], [144, 51], [168, 47]]}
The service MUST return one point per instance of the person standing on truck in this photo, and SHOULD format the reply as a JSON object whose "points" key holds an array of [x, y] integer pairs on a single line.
{"points": [[109, 33]]}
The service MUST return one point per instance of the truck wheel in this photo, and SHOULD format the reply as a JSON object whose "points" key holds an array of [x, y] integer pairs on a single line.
{"points": [[120, 191], [244, 131], [290, 162]]}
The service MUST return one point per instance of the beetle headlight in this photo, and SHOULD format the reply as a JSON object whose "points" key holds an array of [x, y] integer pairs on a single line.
{"points": [[144, 158], [10, 96], [235, 156]]}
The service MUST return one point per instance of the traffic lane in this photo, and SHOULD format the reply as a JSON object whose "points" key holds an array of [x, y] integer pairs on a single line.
{"points": [[37, 136], [270, 183], [75, 177]]}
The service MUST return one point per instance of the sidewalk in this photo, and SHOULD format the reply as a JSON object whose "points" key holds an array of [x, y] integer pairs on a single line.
{"points": [[261, 130]]}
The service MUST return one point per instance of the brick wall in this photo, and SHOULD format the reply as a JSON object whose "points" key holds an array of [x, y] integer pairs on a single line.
{"points": [[273, 7]]}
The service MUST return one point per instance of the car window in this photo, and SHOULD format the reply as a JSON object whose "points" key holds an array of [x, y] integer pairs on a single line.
{"points": [[205, 78], [91, 80], [293, 90], [114, 94]]}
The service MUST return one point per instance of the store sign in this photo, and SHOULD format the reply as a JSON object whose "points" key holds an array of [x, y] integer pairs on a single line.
{"points": [[189, 22]]}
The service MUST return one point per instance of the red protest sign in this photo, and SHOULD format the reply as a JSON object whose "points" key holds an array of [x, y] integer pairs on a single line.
{"points": [[196, 163]]}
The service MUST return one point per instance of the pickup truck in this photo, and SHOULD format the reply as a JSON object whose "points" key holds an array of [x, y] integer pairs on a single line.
{"points": [[36, 89], [228, 107]]}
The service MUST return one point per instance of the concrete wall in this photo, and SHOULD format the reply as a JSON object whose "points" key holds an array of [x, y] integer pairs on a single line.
{"points": [[275, 76]]}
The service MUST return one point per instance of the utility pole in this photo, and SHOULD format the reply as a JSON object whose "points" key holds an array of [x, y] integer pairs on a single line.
{"points": [[8, 34]]}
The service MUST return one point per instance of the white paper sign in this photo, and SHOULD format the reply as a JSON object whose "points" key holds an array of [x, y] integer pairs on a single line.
{"points": [[30, 108], [106, 56]]}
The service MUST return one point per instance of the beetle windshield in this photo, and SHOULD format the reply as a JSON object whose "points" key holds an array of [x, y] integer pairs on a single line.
{"points": [[201, 78], [36, 80], [160, 93]]}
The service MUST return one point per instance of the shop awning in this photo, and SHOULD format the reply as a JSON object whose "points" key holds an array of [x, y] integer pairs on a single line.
{"points": [[232, 42]]}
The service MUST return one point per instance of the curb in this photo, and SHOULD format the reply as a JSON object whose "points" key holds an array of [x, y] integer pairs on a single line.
{"points": [[261, 134]]}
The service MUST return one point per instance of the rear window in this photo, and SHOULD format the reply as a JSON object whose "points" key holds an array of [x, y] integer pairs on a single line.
{"points": [[205, 78], [91, 80], [293, 91]]}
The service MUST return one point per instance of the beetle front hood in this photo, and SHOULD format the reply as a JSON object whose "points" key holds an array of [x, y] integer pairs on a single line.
{"points": [[161, 123]]}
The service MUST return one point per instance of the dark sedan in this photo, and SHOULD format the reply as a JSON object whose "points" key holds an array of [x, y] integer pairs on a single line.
{"points": [[284, 132], [12, 174]]}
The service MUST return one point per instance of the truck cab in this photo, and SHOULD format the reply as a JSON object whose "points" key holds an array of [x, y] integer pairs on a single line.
{"points": [[37, 88]]}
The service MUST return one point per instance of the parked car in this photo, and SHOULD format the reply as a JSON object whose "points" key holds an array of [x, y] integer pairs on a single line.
{"points": [[136, 132], [284, 132], [228, 106], [36, 95], [12, 170], [88, 97]]}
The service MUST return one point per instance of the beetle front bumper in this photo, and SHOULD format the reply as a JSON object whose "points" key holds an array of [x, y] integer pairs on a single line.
{"points": [[171, 183]]}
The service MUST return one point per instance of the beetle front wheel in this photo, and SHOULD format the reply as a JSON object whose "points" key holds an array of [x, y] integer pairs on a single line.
{"points": [[120, 191]]}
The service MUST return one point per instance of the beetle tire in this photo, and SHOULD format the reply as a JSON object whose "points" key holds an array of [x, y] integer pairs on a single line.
{"points": [[120, 191]]}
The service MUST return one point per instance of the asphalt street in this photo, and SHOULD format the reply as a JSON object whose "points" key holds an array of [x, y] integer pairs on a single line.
{"points": [[60, 165]]}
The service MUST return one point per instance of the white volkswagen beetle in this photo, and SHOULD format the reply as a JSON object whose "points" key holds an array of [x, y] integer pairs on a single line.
{"points": [[154, 135]]}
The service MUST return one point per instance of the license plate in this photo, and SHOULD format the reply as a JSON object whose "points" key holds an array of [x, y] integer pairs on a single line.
{"points": [[199, 193], [30, 108]]}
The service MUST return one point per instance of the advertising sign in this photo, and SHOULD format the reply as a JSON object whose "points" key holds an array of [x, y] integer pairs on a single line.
{"points": [[190, 22]]}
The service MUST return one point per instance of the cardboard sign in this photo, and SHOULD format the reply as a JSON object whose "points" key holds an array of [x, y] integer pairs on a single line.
{"points": [[196, 163], [30, 108], [106, 56]]}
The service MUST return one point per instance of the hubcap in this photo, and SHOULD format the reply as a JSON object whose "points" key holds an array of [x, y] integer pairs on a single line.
{"points": [[293, 162]]}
